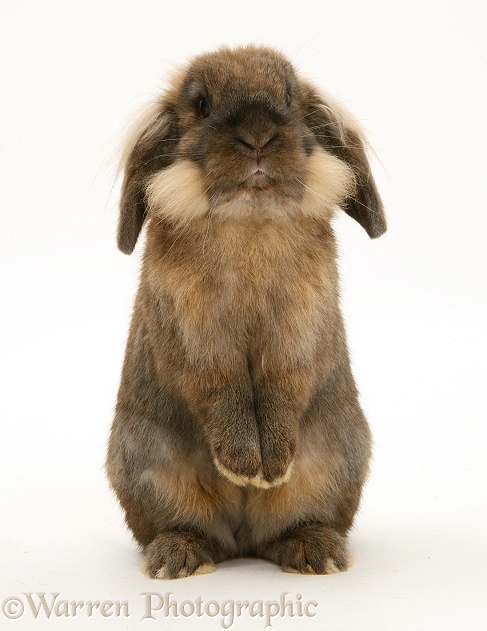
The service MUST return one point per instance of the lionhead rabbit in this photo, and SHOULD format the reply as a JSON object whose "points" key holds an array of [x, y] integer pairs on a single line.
{"points": [[237, 429]]}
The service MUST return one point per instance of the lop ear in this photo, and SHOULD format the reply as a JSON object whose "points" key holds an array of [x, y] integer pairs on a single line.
{"points": [[150, 146], [338, 133]]}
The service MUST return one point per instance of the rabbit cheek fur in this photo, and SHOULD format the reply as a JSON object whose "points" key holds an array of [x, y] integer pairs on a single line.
{"points": [[237, 428]]}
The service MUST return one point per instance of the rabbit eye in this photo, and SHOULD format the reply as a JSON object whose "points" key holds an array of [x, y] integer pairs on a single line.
{"points": [[203, 108], [288, 99]]}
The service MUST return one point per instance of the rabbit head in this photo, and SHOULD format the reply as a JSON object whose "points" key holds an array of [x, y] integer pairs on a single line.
{"points": [[238, 132]]}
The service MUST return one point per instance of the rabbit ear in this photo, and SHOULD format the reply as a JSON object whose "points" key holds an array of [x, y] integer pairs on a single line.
{"points": [[150, 147], [338, 133]]}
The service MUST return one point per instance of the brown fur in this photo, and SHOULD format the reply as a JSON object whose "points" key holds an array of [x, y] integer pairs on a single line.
{"points": [[237, 428]]}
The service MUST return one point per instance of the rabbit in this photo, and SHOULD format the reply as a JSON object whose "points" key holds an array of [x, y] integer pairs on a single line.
{"points": [[237, 430]]}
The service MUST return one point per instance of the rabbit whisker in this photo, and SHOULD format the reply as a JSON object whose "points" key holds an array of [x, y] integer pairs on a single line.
{"points": [[308, 114], [313, 191]]}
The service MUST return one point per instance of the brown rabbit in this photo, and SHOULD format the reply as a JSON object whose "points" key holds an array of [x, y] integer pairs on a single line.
{"points": [[237, 429]]}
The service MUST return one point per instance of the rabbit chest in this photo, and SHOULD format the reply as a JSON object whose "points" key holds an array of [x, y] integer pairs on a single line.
{"points": [[248, 287]]}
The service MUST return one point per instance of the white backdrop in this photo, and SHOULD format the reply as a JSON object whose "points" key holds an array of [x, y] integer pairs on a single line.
{"points": [[415, 302]]}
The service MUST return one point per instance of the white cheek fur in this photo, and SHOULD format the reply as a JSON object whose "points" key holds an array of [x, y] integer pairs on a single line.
{"points": [[178, 193], [328, 181]]}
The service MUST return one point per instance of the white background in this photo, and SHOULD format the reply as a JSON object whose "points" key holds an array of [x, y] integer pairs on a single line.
{"points": [[415, 301]]}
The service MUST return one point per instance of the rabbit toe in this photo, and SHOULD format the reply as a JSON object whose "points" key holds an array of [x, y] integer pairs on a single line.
{"points": [[177, 554], [314, 550]]}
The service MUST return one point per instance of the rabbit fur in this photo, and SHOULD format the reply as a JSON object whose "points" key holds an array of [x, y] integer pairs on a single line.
{"points": [[237, 429]]}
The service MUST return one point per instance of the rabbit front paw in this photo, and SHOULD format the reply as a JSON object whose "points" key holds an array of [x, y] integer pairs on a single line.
{"points": [[277, 460], [263, 465], [239, 462]]}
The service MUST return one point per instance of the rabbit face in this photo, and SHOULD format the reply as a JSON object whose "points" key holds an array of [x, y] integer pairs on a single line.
{"points": [[242, 129], [239, 135]]}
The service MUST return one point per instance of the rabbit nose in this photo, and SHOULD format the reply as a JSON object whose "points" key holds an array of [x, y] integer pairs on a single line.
{"points": [[251, 147], [256, 148]]}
